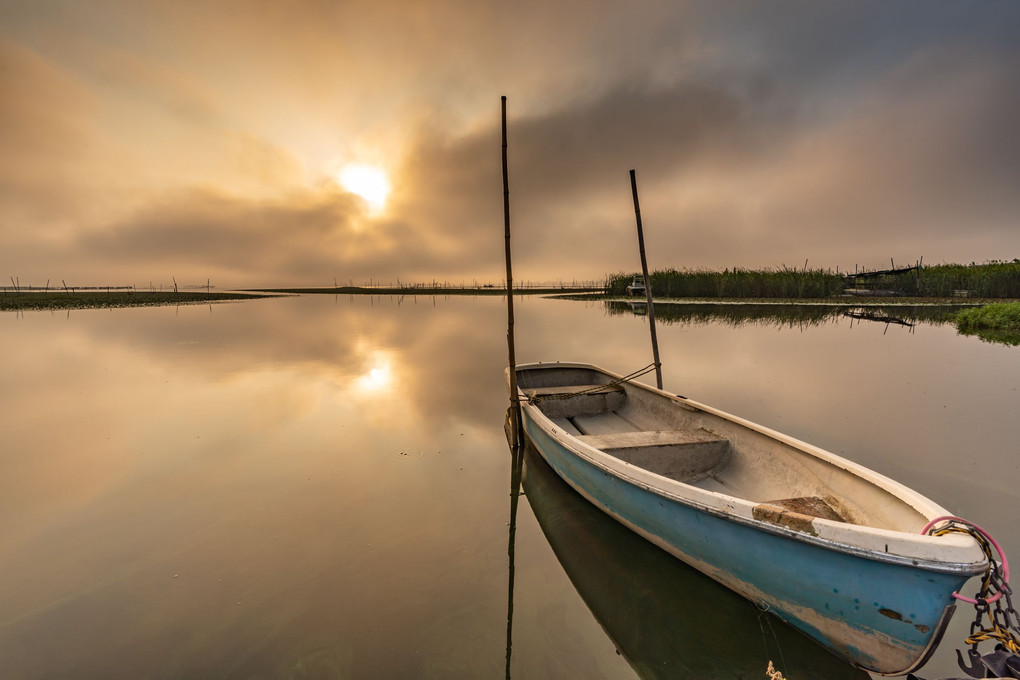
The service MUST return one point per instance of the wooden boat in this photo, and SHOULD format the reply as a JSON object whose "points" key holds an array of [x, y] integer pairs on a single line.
{"points": [[829, 546]]}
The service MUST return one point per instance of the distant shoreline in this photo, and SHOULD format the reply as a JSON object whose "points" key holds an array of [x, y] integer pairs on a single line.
{"points": [[95, 299], [429, 290], [991, 280], [101, 299]]}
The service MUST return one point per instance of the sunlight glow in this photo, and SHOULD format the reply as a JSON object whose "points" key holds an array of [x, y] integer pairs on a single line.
{"points": [[367, 181], [376, 379]]}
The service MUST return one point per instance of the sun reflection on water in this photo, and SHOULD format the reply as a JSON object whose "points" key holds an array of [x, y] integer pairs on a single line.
{"points": [[378, 378]]}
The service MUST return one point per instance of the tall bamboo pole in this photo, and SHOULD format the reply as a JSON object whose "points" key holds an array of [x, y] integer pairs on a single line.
{"points": [[516, 425], [515, 405], [648, 283]]}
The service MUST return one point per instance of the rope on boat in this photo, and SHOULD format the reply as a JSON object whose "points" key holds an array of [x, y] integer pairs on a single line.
{"points": [[594, 389], [1003, 625], [764, 614]]}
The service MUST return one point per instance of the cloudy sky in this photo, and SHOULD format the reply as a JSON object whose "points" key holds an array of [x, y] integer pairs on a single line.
{"points": [[144, 140]]}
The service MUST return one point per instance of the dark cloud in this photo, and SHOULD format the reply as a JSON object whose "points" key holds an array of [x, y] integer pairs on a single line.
{"points": [[926, 164], [571, 161], [921, 159]]}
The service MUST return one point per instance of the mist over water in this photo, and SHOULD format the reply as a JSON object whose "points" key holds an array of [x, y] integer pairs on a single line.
{"points": [[318, 486]]}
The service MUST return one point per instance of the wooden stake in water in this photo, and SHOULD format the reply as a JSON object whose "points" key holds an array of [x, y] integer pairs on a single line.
{"points": [[515, 404], [648, 283]]}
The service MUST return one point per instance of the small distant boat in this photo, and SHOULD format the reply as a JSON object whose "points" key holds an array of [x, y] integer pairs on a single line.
{"points": [[639, 308], [829, 546], [636, 286]]}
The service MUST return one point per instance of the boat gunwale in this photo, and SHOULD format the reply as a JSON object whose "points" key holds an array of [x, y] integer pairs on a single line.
{"points": [[901, 547]]}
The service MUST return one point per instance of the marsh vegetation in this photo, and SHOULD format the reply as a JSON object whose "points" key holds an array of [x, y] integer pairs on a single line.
{"points": [[989, 280], [996, 322], [24, 300], [440, 289]]}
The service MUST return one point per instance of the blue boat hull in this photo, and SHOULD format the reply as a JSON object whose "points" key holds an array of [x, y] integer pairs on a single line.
{"points": [[883, 616]]}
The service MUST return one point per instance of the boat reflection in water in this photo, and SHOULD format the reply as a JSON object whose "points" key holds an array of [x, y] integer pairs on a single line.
{"points": [[667, 619]]}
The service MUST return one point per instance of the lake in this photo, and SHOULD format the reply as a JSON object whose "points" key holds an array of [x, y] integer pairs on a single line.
{"points": [[320, 486]]}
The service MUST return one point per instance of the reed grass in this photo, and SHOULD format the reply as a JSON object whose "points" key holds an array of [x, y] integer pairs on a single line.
{"points": [[783, 282], [988, 280]]}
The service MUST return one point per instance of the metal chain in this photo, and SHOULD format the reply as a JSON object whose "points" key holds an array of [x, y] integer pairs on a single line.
{"points": [[1003, 624], [1012, 617]]}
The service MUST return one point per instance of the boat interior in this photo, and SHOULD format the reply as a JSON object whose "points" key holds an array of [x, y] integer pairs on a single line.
{"points": [[679, 441]]}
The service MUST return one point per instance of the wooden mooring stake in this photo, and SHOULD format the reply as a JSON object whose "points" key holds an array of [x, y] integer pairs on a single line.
{"points": [[516, 425], [648, 283]]}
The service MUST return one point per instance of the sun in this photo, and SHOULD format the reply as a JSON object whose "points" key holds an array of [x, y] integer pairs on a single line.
{"points": [[368, 181]]}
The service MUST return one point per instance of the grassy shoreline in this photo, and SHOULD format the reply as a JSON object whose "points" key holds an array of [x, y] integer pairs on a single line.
{"points": [[999, 280], [424, 290], [1003, 316], [43, 300], [998, 322]]}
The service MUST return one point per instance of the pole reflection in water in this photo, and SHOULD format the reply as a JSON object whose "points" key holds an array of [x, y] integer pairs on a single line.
{"points": [[665, 618], [516, 465]]}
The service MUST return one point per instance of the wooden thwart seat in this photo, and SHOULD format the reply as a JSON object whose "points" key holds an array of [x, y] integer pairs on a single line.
{"points": [[683, 455], [568, 401], [571, 389], [645, 438]]}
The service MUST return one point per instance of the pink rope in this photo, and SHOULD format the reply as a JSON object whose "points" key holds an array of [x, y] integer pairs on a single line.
{"points": [[995, 544]]}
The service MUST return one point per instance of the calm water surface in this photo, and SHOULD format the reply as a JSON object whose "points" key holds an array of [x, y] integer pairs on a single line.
{"points": [[320, 487]]}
